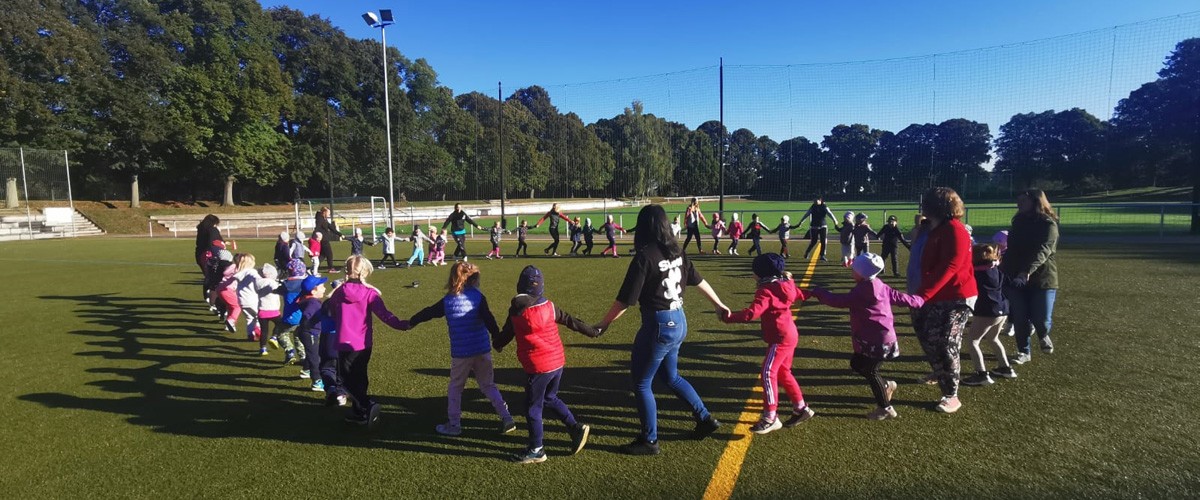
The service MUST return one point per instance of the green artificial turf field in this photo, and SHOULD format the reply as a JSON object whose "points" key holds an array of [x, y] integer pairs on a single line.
{"points": [[119, 383]]}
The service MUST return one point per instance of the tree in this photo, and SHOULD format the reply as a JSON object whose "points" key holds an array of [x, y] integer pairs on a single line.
{"points": [[641, 151], [1065, 147], [850, 149], [1158, 125]]}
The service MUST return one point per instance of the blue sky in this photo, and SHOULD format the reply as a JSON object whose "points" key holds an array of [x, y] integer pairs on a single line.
{"points": [[555, 44]]}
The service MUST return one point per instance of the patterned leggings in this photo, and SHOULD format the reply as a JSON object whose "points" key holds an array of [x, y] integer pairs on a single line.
{"points": [[939, 327]]}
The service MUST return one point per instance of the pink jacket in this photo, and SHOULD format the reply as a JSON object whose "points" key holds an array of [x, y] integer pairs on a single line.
{"points": [[349, 306], [871, 326]]}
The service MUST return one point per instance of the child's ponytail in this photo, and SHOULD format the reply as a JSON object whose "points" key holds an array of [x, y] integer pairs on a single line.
{"points": [[461, 274]]}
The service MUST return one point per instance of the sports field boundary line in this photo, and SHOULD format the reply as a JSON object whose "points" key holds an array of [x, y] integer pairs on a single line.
{"points": [[729, 466]]}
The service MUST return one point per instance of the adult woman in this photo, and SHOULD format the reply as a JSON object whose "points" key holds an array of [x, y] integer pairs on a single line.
{"points": [[207, 231], [1030, 265], [554, 215], [818, 231], [693, 217], [458, 221], [948, 287], [329, 234], [656, 279]]}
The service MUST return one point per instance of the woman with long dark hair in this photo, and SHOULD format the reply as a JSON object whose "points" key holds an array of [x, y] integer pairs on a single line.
{"points": [[207, 231], [656, 279], [818, 230], [948, 287], [693, 217], [1033, 274]]}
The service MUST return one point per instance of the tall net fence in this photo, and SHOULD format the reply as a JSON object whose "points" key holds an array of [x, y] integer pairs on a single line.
{"points": [[986, 121]]}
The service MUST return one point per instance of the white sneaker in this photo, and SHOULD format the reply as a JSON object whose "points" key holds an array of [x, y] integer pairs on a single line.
{"points": [[763, 426]]}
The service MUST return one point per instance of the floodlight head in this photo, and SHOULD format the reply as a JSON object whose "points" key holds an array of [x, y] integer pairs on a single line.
{"points": [[370, 18], [386, 15]]}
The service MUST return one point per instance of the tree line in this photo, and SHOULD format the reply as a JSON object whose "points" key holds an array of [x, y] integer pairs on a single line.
{"points": [[196, 97]]}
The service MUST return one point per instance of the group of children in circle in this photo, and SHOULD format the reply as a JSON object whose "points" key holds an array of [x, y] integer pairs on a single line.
{"points": [[332, 339]]}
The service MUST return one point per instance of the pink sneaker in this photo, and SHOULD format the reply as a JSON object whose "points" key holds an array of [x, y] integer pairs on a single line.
{"points": [[949, 404]]}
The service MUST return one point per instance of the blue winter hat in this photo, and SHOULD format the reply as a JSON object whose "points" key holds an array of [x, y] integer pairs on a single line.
{"points": [[767, 265], [531, 282], [310, 283]]}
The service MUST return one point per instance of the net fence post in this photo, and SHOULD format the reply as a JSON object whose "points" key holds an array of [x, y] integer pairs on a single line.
{"points": [[70, 194], [25, 185]]}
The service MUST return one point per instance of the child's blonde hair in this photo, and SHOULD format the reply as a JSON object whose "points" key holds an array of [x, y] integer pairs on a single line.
{"points": [[243, 261], [985, 253], [358, 268], [462, 275]]}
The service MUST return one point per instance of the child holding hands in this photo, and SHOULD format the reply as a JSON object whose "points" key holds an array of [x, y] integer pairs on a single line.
{"points": [[871, 327], [533, 321], [471, 322], [351, 307], [773, 303]]}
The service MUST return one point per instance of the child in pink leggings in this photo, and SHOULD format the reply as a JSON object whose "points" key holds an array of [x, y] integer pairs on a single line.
{"points": [[773, 303]]}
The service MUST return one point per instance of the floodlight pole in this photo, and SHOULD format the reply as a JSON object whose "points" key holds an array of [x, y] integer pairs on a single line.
{"points": [[721, 149], [500, 127], [382, 25]]}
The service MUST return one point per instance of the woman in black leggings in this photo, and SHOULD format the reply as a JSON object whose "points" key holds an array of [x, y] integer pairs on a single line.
{"points": [[554, 215], [818, 231], [693, 217]]}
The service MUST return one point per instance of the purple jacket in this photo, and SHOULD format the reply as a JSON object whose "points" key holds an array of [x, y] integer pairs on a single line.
{"points": [[349, 306], [870, 303]]}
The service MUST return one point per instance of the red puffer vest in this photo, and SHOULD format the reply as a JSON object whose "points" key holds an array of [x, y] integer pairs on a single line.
{"points": [[539, 347]]}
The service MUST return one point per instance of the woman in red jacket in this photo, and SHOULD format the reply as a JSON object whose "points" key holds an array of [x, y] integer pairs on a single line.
{"points": [[948, 288]]}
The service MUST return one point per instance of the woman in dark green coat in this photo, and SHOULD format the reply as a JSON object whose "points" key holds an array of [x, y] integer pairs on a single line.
{"points": [[1029, 264]]}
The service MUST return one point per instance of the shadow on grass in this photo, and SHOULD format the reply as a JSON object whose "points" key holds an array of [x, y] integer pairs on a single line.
{"points": [[166, 366]]}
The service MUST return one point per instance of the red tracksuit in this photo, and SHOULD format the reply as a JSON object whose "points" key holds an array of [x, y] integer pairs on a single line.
{"points": [[773, 302]]}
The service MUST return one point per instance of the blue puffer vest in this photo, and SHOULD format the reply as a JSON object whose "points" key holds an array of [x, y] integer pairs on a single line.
{"points": [[468, 335]]}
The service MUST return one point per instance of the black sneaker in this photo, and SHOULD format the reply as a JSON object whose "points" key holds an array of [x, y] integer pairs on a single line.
{"points": [[530, 456], [356, 419], [978, 379], [373, 415], [579, 437], [706, 427], [640, 447], [799, 417], [1004, 372]]}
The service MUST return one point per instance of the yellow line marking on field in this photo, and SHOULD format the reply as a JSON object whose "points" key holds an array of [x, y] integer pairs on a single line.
{"points": [[729, 467]]}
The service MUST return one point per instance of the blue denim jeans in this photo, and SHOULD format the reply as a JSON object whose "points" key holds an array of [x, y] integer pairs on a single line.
{"points": [[656, 352], [1030, 310]]}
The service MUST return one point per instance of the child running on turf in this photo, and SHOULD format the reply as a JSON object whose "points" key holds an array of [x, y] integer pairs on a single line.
{"points": [[290, 316], [470, 323], [754, 232], [522, 247], [351, 307], [226, 289], [335, 395], [575, 230], [863, 234], [389, 247], [610, 229], [437, 249], [270, 306], [282, 249], [784, 231], [494, 235], [418, 240], [247, 297], [846, 237], [872, 330], [312, 290], [675, 227], [298, 248], [314, 249], [718, 230], [991, 309], [892, 238], [589, 236], [735, 234], [773, 303], [216, 260], [356, 242], [533, 320]]}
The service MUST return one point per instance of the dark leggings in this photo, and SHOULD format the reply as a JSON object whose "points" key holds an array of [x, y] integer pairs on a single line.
{"points": [[352, 369], [868, 367], [312, 354], [587, 248], [327, 253], [733, 243], [460, 245], [693, 232], [553, 245], [522, 248], [575, 247], [755, 247], [716, 241], [820, 234], [889, 253], [541, 392]]}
